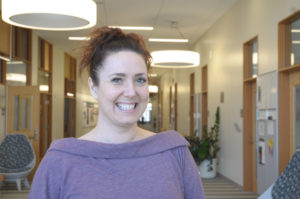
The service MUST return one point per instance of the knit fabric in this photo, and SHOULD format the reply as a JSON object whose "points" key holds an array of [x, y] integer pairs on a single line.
{"points": [[159, 166], [287, 186], [16, 153]]}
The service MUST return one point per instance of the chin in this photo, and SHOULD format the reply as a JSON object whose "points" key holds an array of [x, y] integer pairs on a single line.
{"points": [[128, 121]]}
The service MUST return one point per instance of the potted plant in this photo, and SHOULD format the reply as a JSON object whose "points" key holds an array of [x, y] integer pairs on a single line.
{"points": [[205, 150]]}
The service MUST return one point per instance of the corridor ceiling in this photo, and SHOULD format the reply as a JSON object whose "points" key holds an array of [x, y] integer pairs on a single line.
{"points": [[194, 18]]}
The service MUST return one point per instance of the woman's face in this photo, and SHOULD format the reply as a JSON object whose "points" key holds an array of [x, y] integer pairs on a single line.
{"points": [[123, 88]]}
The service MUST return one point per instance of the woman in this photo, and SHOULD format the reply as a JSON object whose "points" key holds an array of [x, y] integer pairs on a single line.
{"points": [[117, 159]]}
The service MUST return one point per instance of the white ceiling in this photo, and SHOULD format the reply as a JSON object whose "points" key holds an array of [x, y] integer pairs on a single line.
{"points": [[194, 18]]}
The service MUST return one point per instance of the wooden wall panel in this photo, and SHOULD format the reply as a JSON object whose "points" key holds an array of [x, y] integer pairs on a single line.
{"points": [[4, 37]]}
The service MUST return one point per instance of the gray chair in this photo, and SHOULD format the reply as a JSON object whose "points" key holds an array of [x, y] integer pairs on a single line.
{"points": [[287, 186], [17, 159]]}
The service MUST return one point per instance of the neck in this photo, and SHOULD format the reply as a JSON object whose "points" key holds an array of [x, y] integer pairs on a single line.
{"points": [[106, 133]]}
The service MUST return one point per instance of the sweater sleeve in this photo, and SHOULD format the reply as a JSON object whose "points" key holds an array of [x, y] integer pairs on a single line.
{"points": [[192, 181], [46, 182]]}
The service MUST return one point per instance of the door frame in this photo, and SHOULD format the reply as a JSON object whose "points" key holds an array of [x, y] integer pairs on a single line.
{"points": [[249, 118], [285, 73]]}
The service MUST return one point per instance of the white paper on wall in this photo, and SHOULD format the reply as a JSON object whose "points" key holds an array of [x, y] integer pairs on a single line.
{"points": [[270, 127], [261, 128]]}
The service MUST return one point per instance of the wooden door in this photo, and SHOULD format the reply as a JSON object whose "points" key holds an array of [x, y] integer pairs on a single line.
{"points": [[294, 81], [249, 129], [23, 113]]}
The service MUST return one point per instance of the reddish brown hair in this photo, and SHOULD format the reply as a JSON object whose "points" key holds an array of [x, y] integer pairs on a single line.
{"points": [[106, 40]]}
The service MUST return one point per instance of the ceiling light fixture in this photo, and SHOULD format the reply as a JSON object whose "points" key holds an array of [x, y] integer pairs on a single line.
{"points": [[153, 89], [133, 27], [153, 75], [44, 88], [79, 38], [168, 40], [50, 14], [4, 58], [175, 59]]}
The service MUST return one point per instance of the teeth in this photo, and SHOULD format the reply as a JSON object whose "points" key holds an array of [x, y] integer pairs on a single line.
{"points": [[126, 107]]}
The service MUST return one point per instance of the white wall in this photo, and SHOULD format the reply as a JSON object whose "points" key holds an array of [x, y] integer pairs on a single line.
{"points": [[221, 48]]}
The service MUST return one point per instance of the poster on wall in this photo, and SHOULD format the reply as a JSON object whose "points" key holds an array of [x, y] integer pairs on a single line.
{"points": [[89, 114]]}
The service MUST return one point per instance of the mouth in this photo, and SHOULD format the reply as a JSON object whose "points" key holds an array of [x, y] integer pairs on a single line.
{"points": [[126, 107]]}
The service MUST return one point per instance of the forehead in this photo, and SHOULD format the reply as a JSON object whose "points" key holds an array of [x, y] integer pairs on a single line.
{"points": [[125, 62]]}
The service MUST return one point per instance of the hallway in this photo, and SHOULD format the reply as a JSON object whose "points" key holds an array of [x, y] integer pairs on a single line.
{"points": [[217, 188], [223, 188]]}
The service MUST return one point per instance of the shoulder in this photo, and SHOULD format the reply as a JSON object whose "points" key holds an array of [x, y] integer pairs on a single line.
{"points": [[173, 142], [173, 138]]}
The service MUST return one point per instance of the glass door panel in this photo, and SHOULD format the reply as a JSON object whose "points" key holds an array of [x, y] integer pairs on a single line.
{"points": [[295, 54]]}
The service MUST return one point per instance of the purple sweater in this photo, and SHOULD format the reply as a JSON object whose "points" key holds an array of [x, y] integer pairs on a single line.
{"points": [[158, 167]]}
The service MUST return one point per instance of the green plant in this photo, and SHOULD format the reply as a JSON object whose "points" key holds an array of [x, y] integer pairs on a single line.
{"points": [[207, 147]]}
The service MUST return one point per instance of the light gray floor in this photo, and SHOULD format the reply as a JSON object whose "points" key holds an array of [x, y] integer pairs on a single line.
{"points": [[223, 188], [13, 194], [217, 188]]}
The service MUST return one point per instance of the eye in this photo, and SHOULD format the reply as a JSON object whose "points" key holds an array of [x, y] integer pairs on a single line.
{"points": [[116, 80], [141, 80]]}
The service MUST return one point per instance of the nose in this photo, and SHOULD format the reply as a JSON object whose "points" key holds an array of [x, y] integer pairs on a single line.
{"points": [[129, 89]]}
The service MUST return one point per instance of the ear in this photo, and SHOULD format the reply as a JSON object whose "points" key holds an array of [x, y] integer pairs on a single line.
{"points": [[93, 88]]}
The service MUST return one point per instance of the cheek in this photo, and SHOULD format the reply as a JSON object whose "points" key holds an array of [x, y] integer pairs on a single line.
{"points": [[144, 94], [107, 93]]}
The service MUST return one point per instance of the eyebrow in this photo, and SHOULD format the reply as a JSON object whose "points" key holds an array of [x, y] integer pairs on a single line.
{"points": [[123, 74]]}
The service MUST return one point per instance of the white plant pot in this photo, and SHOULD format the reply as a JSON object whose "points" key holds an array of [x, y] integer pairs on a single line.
{"points": [[207, 170]]}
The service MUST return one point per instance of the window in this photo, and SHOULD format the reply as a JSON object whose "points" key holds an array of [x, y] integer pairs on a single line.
{"points": [[70, 76], [16, 73], [251, 59], [45, 66], [295, 51]]}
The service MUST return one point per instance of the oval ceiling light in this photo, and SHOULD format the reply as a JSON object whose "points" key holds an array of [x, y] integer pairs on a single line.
{"points": [[175, 59], [50, 14]]}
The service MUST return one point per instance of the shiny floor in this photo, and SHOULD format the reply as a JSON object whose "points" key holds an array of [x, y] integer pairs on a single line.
{"points": [[223, 188], [217, 188]]}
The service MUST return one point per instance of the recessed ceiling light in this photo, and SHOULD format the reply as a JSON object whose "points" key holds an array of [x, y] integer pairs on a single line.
{"points": [[296, 30], [153, 75], [296, 42], [168, 40], [79, 38], [133, 27]]}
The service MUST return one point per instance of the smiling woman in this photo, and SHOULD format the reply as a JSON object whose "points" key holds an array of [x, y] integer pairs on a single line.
{"points": [[117, 159]]}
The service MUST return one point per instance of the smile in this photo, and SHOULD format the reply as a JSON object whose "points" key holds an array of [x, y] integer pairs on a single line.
{"points": [[126, 107]]}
